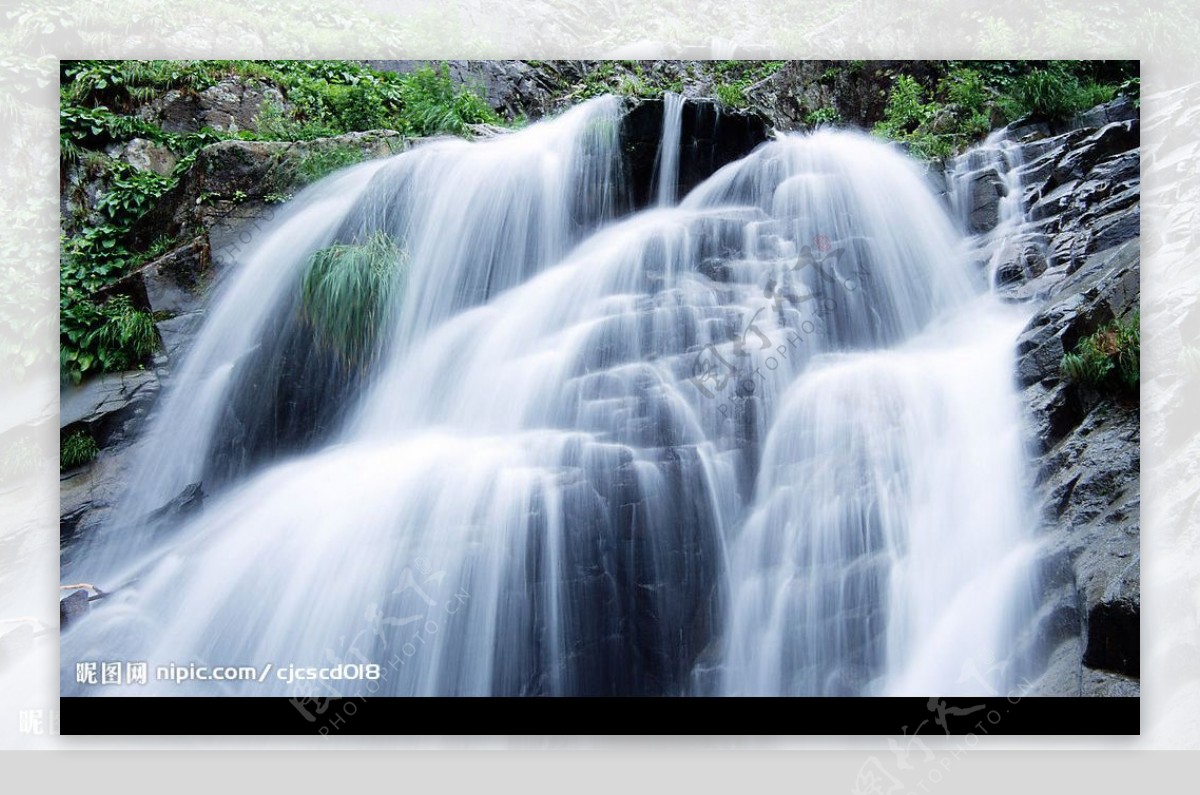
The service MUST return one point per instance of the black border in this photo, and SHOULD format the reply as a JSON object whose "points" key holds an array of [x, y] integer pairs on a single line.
{"points": [[330, 717]]}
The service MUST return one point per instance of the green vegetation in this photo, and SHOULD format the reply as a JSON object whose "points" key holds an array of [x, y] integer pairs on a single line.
{"points": [[1056, 94], [317, 165], [99, 108], [346, 294], [941, 115], [734, 78], [826, 115], [730, 95], [624, 78], [76, 450], [103, 337], [1109, 358]]}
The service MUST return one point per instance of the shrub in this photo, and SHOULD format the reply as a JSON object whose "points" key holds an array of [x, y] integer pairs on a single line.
{"points": [[826, 115], [1110, 357], [76, 450], [110, 337], [1051, 94], [731, 95], [946, 115], [347, 293]]}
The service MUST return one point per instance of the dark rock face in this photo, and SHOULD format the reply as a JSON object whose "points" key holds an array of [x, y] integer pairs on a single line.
{"points": [[857, 90], [984, 193], [72, 608], [1079, 259], [709, 139], [513, 89]]}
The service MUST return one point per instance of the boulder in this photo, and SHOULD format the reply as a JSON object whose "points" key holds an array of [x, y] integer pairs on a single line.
{"points": [[984, 192], [72, 608], [109, 405], [175, 281], [1122, 108], [232, 105], [146, 155]]}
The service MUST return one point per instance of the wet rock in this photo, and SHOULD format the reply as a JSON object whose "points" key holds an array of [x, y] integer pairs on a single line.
{"points": [[715, 137], [1084, 199], [1104, 683], [984, 193], [1109, 140], [175, 281], [87, 494], [189, 500], [72, 608], [109, 403], [178, 333], [1116, 110], [1021, 260], [1063, 674]]}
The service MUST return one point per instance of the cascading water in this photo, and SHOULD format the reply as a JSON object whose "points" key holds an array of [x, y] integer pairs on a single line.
{"points": [[668, 151], [991, 172], [762, 441]]}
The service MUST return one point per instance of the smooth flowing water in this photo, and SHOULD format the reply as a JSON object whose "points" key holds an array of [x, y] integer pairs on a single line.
{"points": [[760, 440]]}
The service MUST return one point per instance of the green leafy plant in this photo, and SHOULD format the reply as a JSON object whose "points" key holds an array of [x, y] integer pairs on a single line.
{"points": [[825, 115], [735, 77], [1110, 357], [963, 100], [108, 337], [347, 293], [731, 95], [76, 450]]}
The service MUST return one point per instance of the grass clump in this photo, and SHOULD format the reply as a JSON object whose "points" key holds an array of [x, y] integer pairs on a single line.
{"points": [[76, 450], [1056, 94], [347, 293], [1109, 359]]}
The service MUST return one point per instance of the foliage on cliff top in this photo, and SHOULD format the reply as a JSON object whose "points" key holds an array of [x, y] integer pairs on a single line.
{"points": [[943, 115]]}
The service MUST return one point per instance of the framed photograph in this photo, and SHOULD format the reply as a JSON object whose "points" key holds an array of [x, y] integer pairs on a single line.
{"points": [[799, 394]]}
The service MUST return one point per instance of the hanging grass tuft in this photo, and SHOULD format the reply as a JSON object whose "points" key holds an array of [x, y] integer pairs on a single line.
{"points": [[347, 294]]}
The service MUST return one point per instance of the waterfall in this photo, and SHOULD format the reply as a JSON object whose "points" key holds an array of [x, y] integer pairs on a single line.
{"points": [[991, 173], [668, 150], [763, 440]]}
